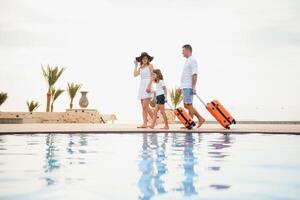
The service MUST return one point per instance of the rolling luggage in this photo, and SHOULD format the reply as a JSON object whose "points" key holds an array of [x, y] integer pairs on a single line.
{"points": [[183, 117], [219, 113]]}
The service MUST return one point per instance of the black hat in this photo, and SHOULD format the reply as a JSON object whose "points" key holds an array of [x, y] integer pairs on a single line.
{"points": [[139, 59]]}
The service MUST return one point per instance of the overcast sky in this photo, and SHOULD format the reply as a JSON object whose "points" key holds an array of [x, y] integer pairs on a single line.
{"points": [[248, 52]]}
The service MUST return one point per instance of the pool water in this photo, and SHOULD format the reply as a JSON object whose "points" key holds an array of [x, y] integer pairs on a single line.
{"points": [[149, 166]]}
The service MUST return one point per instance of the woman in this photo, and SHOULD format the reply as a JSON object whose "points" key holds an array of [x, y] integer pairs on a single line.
{"points": [[144, 68]]}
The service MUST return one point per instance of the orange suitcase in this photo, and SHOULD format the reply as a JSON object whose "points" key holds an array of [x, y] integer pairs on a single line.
{"points": [[219, 112], [184, 117]]}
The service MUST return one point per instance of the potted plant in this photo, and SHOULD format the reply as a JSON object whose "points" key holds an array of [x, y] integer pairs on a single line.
{"points": [[72, 91], [176, 97], [3, 97], [32, 105]]}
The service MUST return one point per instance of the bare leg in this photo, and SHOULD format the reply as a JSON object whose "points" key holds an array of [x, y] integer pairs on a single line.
{"points": [[201, 119], [154, 117], [189, 107], [163, 113], [149, 110], [192, 112], [144, 112]]}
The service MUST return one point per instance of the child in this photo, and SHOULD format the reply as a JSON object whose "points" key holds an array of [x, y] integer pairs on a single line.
{"points": [[161, 98]]}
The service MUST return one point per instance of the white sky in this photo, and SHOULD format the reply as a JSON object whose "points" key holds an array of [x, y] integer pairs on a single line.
{"points": [[248, 52]]}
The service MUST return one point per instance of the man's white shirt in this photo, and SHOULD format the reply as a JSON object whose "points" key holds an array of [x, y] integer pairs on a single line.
{"points": [[190, 68]]}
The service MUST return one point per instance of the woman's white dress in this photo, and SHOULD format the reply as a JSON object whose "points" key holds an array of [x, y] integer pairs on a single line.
{"points": [[145, 74]]}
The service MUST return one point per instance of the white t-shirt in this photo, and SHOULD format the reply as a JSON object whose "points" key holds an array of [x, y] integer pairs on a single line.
{"points": [[159, 88], [190, 68]]}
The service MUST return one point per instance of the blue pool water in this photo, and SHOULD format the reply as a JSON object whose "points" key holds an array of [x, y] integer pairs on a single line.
{"points": [[149, 166]]}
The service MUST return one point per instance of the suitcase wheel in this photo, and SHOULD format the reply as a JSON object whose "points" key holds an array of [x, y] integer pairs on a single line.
{"points": [[189, 127], [227, 127], [193, 123], [234, 121]]}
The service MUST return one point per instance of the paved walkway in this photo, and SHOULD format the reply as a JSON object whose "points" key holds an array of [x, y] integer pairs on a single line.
{"points": [[131, 128]]}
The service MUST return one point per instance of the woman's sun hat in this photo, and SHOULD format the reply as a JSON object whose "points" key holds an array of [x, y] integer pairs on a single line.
{"points": [[139, 59]]}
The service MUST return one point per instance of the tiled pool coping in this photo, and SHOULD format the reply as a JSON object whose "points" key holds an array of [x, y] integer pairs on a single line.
{"points": [[131, 128]]}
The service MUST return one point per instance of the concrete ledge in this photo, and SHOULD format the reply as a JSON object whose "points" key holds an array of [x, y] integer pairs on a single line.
{"points": [[131, 128], [70, 116], [11, 121]]}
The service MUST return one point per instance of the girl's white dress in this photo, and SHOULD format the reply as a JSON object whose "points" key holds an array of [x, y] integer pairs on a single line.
{"points": [[145, 74]]}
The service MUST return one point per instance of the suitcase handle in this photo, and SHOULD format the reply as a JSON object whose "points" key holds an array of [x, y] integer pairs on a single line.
{"points": [[196, 96], [200, 100], [169, 105]]}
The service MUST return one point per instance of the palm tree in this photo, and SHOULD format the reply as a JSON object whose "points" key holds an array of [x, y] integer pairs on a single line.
{"points": [[72, 91], [32, 105], [176, 97], [51, 75], [55, 94], [3, 97]]}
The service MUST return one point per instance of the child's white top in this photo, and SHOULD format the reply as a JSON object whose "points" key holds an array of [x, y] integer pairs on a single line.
{"points": [[159, 88]]}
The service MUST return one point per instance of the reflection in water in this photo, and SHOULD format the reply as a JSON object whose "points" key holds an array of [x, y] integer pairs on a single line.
{"points": [[185, 143], [52, 160], [81, 150], [217, 149], [155, 153], [2, 142], [185, 146], [217, 153], [70, 146], [51, 163], [220, 187], [146, 168], [160, 165], [188, 165], [151, 180], [82, 143], [184, 149], [170, 166]]}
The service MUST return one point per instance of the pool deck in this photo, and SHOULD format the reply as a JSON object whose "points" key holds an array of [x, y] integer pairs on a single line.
{"points": [[131, 128]]}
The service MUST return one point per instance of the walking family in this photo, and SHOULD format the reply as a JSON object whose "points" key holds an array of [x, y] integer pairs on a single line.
{"points": [[146, 93]]}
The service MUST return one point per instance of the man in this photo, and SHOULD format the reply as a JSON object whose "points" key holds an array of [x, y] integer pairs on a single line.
{"points": [[188, 82]]}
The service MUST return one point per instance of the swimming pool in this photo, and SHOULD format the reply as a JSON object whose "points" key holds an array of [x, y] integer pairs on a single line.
{"points": [[149, 166]]}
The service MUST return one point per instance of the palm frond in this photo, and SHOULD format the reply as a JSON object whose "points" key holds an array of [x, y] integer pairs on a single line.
{"points": [[176, 97], [3, 97], [32, 105], [73, 89], [52, 74], [55, 93]]}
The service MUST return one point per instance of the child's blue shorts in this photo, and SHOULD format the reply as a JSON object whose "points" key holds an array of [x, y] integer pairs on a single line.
{"points": [[160, 99]]}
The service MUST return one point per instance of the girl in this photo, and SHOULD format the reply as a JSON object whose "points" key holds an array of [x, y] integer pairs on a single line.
{"points": [[161, 98], [144, 68]]}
